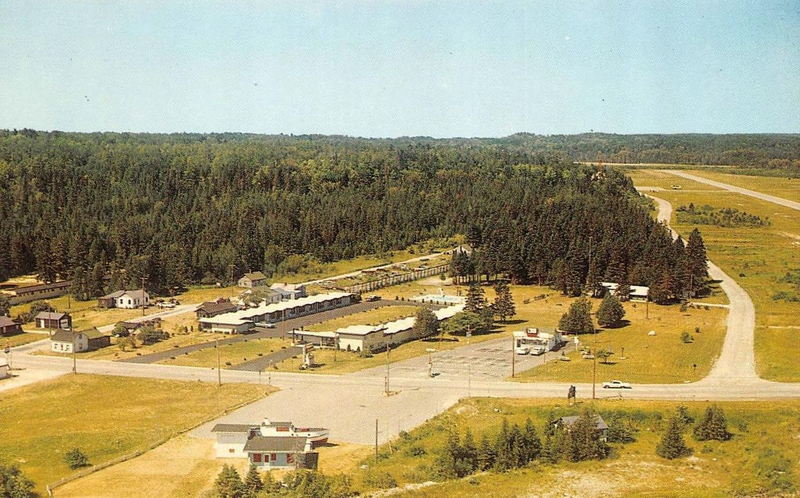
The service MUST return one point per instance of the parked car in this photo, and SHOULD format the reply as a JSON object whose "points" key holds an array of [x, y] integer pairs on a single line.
{"points": [[373, 298], [522, 350], [537, 350], [266, 325], [616, 384]]}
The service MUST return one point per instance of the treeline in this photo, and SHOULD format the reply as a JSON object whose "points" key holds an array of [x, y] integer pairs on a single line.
{"points": [[108, 210], [721, 217]]}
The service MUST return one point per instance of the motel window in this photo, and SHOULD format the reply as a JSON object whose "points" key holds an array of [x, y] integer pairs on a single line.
{"points": [[257, 457], [273, 457], [230, 450]]}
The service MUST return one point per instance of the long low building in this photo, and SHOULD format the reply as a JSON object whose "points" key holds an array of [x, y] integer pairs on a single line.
{"points": [[370, 337], [243, 320]]}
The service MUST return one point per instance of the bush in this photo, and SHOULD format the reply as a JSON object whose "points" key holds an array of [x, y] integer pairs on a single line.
{"points": [[379, 479], [415, 451], [713, 426], [76, 459], [687, 338]]}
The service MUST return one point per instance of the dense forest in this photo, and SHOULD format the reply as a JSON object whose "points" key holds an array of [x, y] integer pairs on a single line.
{"points": [[107, 210]]}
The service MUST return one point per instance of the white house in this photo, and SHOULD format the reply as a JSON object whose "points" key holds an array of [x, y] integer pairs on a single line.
{"points": [[637, 292], [127, 299], [4, 370], [62, 341], [270, 444], [289, 291]]}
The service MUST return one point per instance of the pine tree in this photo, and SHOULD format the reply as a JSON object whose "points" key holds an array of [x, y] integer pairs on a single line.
{"points": [[503, 457], [578, 319], [503, 302], [610, 312], [531, 441], [712, 426], [672, 445], [475, 299], [228, 483], [697, 262], [583, 440], [486, 454], [252, 482], [425, 324], [469, 455]]}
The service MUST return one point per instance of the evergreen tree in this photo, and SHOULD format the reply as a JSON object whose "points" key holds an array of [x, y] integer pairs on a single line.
{"points": [[504, 459], [425, 324], [578, 319], [449, 460], [583, 440], [469, 454], [530, 441], [713, 426], [611, 312], [697, 262], [5, 305], [661, 292], [476, 300], [252, 482], [486, 454], [228, 483], [503, 302], [672, 445]]}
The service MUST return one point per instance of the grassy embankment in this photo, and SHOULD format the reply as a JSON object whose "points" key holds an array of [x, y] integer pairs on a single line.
{"points": [[761, 457], [758, 258], [106, 417]]}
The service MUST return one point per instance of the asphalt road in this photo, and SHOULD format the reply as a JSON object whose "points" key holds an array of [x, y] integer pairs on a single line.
{"points": [[739, 190]]}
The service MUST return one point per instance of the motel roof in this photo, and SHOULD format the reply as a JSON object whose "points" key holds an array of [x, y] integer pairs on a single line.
{"points": [[400, 325], [50, 315], [233, 427], [244, 316]]}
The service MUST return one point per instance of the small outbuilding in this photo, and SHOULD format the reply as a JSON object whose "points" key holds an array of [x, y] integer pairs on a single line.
{"points": [[53, 320], [289, 291], [9, 326], [253, 279]]}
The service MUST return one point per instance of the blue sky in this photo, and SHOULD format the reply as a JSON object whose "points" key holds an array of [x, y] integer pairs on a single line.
{"points": [[391, 68]]}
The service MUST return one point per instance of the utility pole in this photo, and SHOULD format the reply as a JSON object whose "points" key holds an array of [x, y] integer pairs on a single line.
{"points": [[594, 368], [469, 367], [513, 357], [387, 367], [74, 358], [142, 296], [376, 440], [647, 308], [219, 372]]}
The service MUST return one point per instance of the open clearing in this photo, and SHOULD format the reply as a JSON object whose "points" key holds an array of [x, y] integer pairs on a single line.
{"points": [[761, 457], [787, 188], [106, 417], [759, 259]]}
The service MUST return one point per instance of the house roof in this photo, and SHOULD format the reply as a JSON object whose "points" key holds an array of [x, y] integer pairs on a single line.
{"points": [[256, 275], [275, 443], [7, 322], [215, 307], [598, 420], [282, 286], [62, 335], [135, 294], [233, 427], [93, 333], [50, 315]]}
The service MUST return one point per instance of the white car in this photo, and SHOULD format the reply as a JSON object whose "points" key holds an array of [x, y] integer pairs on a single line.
{"points": [[616, 384], [266, 325], [522, 350]]}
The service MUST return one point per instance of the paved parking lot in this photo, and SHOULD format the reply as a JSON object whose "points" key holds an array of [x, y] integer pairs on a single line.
{"points": [[488, 360]]}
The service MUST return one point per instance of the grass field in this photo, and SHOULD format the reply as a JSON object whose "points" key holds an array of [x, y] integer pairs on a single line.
{"points": [[234, 354], [20, 339], [372, 317], [105, 417], [758, 258], [762, 457]]}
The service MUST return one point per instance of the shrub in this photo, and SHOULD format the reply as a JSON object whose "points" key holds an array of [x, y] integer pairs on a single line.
{"points": [[687, 338], [75, 459], [379, 479], [713, 426], [672, 445]]}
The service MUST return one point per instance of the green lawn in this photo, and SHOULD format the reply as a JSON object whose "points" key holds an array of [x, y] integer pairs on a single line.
{"points": [[20, 339], [105, 417], [761, 458], [375, 316], [758, 258], [234, 353]]}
